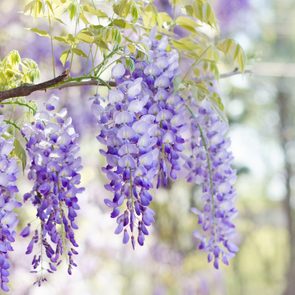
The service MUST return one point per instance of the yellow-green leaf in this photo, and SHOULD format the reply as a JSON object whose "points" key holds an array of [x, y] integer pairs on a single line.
{"points": [[226, 45], [239, 57], [87, 38], [119, 23], [122, 8], [101, 44], [97, 12], [39, 32], [130, 64], [79, 52], [163, 17], [72, 10], [20, 152], [64, 56], [187, 23]]}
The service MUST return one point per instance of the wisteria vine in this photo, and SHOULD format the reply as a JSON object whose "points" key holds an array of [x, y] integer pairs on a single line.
{"points": [[55, 165], [143, 124], [152, 134], [210, 166]]}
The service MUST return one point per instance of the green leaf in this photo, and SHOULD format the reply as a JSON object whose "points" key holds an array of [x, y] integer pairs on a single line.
{"points": [[39, 32], [64, 56], [211, 55], [239, 57], [226, 45], [72, 11], [20, 152], [30, 70], [134, 13], [149, 16], [162, 18], [97, 12], [233, 50], [58, 20], [189, 10], [122, 8], [187, 23], [49, 6], [84, 19], [62, 39], [79, 52], [217, 100], [34, 8], [85, 37], [119, 23], [130, 64], [13, 58], [101, 44], [68, 39], [203, 11], [186, 44]]}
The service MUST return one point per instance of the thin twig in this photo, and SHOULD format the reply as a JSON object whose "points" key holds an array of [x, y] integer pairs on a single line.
{"points": [[90, 82], [234, 73], [222, 76], [27, 89]]}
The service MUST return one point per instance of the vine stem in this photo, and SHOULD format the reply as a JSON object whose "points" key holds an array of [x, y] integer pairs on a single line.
{"points": [[209, 164], [63, 81], [51, 43], [204, 142]]}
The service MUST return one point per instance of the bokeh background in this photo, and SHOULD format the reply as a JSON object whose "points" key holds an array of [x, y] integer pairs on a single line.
{"points": [[261, 110]]}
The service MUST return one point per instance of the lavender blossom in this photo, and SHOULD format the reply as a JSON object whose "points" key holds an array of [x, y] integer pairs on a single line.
{"points": [[210, 166], [140, 126], [8, 188], [53, 150]]}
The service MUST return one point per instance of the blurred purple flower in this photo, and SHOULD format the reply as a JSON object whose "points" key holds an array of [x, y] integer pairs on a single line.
{"points": [[230, 11], [8, 219]]}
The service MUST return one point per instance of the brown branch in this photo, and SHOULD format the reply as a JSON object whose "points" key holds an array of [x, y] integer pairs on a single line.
{"points": [[26, 90]]}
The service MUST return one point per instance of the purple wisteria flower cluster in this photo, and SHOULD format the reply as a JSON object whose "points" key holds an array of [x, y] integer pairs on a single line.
{"points": [[142, 124], [54, 168], [210, 166], [8, 188]]}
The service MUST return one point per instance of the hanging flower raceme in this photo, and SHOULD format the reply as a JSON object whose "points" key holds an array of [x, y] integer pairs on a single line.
{"points": [[210, 166], [166, 106], [131, 157], [139, 125], [53, 150], [8, 188], [142, 124]]}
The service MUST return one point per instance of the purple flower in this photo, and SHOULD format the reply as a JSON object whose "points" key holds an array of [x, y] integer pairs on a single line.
{"points": [[8, 219], [142, 126], [210, 166], [230, 11], [53, 150], [143, 143]]}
